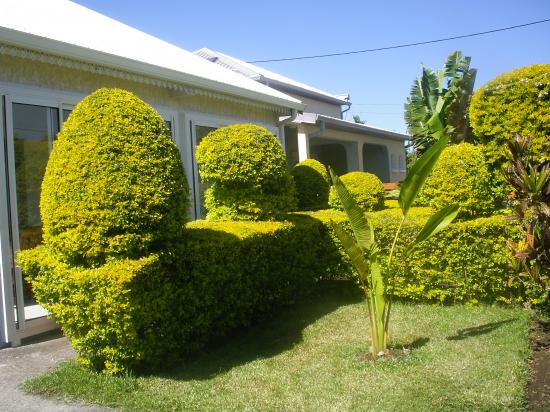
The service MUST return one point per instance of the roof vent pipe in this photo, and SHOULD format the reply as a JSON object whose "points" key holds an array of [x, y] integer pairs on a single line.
{"points": [[348, 103]]}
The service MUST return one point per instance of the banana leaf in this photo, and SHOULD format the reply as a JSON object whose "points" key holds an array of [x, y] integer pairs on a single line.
{"points": [[362, 229], [419, 173], [436, 223]]}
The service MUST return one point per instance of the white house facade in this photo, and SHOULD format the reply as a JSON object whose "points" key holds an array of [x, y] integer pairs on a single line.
{"points": [[320, 131]]}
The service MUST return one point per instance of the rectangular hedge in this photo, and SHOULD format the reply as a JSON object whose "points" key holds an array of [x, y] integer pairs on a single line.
{"points": [[223, 275], [131, 313], [466, 262]]}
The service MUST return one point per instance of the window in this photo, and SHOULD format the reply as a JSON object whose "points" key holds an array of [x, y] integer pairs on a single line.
{"points": [[200, 186], [394, 165]]}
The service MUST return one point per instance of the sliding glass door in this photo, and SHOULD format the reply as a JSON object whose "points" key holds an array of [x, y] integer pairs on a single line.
{"points": [[31, 129]]}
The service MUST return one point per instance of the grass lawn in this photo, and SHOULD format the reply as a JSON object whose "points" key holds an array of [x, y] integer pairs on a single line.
{"points": [[459, 358]]}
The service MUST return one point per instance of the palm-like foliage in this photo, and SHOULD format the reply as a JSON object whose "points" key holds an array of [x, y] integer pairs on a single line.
{"points": [[437, 105], [531, 183], [364, 252]]}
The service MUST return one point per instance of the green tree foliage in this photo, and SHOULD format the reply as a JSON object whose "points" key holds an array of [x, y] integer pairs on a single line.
{"points": [[312, 184], [437, 105], [366, 188], [516, 102], [114, 184], [245, 168], [461, 176], [357, 119]]}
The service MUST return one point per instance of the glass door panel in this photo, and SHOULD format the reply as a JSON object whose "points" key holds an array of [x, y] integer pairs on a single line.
{"points": [[34, 128], [200, 133]]}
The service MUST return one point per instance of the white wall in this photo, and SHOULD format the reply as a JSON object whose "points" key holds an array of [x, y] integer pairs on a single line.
{"points": [[315, 106]]}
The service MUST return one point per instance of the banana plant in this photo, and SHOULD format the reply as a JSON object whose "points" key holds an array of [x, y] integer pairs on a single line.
{"points": [[438, 103], [364, 252]]}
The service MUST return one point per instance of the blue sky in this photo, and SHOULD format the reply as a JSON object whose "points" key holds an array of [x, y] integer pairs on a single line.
{"points": [[379, 82]]}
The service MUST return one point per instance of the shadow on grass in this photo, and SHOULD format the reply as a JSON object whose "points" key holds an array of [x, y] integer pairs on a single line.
{"points": [[479, 330], [269, 338], [415, 344]]}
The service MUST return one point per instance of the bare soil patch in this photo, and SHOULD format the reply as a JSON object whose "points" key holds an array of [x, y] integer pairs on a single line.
{"points": [[538, 391]]}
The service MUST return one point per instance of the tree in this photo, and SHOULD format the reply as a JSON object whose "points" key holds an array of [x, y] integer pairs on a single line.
{"points": [[438, 103], [357, 119]]}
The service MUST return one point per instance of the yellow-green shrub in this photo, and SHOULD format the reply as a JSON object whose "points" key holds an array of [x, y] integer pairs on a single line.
{"points": [[312, 184], [130, 313], [460, 176], [245, 167], [467, 262], [114, 184], [366, 188], [117, 315], [516, 102]]}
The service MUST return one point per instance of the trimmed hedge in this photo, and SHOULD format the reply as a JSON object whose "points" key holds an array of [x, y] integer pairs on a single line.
{"points": [[312, 184], [131, 313], [467, 262], [460, 176], [366, 188], [245, 167], [114, 185]]}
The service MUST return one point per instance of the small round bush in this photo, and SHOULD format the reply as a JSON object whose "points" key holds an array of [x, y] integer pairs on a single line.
{"points": [[460, 176], [245, 168], [516, 102], [114, 184], [366, 188], [312, 184]]}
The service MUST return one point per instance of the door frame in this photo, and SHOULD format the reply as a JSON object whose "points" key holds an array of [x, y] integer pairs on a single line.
{"points": [[14, 325]]}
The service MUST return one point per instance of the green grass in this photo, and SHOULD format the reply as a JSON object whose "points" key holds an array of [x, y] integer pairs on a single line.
{"points": [[459, 358]]}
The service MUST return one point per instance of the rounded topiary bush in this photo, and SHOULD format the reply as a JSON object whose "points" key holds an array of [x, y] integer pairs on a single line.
{"points": [[312, 184], [114, 184], [245, 168], [366, 188], [516, 102], [460, 176]]}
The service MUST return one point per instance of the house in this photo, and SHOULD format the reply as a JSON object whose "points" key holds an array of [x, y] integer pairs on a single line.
{"points": [[55, 52], [320, 132]]}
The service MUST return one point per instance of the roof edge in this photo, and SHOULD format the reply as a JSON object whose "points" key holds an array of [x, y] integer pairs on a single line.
{"points": [[346, 125], [56, 47]]}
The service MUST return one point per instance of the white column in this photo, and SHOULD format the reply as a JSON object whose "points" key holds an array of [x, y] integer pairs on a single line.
{"points": [[303, 145], [360, 156]]}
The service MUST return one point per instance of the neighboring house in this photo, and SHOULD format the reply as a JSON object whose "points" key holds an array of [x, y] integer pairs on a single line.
{"points": [[52, 54], [320, 131]]}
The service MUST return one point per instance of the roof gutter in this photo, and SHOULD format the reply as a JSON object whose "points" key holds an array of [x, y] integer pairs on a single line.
{"points": [[321, 131], [286, 87]]}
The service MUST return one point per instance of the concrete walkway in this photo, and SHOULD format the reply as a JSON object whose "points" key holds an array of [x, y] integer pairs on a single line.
{"points": [[19, 364]]}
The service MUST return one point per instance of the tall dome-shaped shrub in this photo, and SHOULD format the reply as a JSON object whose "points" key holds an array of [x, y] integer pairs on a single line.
{"points": [[460, 176], [366, 188], [245, 168], [114, 184], [312, 184], [516, 102]]}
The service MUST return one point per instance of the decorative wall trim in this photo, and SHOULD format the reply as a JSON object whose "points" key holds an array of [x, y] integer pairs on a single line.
{"points": [[41, 57]]}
